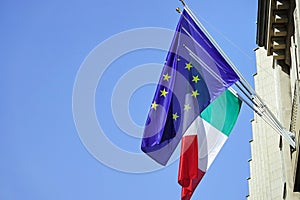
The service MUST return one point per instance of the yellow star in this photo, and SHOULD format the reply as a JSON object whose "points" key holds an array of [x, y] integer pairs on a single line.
{"points": [[163, 92], [195, 93], [154, 105], [188, 66], [175, 116], [166, 77], [187, 107], [195, 79]]}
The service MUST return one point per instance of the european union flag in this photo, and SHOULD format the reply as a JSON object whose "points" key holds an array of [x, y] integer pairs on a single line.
{"points": [[194, 74]]}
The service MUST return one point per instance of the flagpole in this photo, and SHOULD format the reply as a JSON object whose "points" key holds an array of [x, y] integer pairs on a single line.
{"points": [[183, 3], [178, 10], [254, 98]]}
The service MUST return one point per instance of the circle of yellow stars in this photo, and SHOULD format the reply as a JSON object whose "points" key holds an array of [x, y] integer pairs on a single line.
{"points": [[163, 92]]}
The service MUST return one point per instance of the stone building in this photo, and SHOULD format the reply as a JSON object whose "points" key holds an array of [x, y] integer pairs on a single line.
{"points": [[274, 165]]}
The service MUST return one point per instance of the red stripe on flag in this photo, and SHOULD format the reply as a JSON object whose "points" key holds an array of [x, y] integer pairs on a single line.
{"points": [[189, 175]]}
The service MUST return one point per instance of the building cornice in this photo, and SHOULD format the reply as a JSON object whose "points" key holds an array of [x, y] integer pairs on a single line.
{"points": [[275, 27]]}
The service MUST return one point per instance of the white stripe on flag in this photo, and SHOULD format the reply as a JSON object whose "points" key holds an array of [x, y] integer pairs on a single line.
{"points": [[210, 141]]}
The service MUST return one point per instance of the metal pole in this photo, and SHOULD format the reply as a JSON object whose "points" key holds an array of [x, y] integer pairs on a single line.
{"points": [[183, 3]]}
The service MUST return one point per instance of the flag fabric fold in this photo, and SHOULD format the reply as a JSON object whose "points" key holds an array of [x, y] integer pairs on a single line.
{"points": [[193, 76], [203, 140]]}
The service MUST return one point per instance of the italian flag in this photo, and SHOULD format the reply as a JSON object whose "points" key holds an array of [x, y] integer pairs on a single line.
{"points": [[203, 140]]}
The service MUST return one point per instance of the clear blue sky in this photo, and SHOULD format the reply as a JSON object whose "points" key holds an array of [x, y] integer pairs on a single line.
{"points": [[43, 44]]}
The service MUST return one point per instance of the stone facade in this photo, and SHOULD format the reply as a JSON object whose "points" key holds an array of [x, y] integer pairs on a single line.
{"points": [[275, 166]]}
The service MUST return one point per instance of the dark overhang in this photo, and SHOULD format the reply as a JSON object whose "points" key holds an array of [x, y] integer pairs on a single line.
{"points": [[262, 23], [297, 175], [275, 28]]}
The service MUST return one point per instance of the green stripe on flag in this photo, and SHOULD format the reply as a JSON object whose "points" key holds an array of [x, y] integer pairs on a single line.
{"points": [[222, 113]]}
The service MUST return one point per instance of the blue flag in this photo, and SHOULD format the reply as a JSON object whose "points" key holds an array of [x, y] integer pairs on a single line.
{"points": [[194, 74]]}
